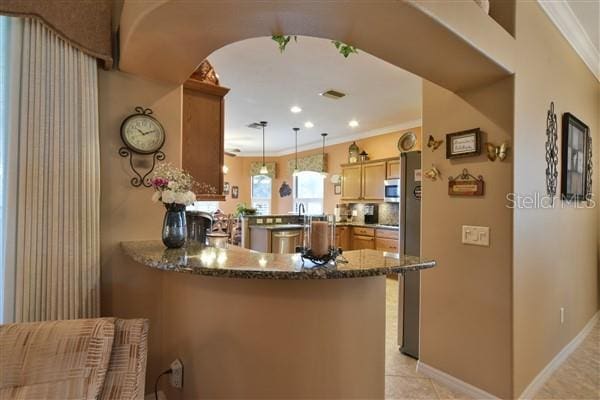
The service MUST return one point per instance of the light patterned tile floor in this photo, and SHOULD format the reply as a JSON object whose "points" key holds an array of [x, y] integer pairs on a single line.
{"points": [[577, 379]]}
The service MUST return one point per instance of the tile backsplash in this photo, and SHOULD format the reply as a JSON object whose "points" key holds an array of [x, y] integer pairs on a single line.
{"points": [[388, 213]]}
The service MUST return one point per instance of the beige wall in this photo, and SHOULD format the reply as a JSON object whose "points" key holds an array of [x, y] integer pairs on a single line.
{"points": [[555, 250], [381, 146], [127, 213], [466, 310]]}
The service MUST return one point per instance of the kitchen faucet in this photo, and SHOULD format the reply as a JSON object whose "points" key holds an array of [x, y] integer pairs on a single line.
{"points": [[301, 209]]}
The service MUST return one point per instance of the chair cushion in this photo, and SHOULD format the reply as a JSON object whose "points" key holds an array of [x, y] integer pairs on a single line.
{"points": [[126, 375], [55, 359]]}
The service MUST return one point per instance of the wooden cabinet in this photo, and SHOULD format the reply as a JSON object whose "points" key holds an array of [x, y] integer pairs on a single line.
{"points": [[342, 237], [373, 175], [351, 182], [361, 231], [393, 169], [203, 134], [363, 242], [386, 240]]}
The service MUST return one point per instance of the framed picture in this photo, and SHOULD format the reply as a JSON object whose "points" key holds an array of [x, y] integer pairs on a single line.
{"points": [[575, 158], [337, 189], [226, 188], [235, 192], [463, 144]]}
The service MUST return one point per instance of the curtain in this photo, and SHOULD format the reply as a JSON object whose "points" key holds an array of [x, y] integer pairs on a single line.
{"points": [[255, 167], [315, 163], [58, 186]]}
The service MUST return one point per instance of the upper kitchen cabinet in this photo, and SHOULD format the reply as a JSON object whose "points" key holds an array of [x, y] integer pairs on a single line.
{"points": [[203, 134], [351, 182], [393, 169], [373, 175]]}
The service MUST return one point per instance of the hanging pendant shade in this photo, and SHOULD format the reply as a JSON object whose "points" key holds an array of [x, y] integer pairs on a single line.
{"points": [[323, 173]]}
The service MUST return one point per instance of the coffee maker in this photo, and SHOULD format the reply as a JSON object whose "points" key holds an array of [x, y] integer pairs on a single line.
{"points": [[371, 213]]}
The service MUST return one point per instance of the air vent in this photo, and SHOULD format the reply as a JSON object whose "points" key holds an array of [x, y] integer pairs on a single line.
{"points": [[254, 125], [333, 94]]}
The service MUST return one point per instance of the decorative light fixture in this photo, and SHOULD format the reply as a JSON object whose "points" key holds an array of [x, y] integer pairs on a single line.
{"points": [[263, 170], [353, 123], [296, 170], [323, 173], [308, 124], [295, 109]]}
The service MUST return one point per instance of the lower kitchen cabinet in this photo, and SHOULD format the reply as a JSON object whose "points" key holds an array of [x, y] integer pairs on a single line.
{"points": [[342, 237], [363, 242], [389, 245]]}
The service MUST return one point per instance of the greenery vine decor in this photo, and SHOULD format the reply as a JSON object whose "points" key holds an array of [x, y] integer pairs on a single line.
{"points": [[282, 41], [343, 48]]}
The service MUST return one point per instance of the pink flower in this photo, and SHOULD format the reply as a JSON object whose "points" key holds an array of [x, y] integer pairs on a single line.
{"points": [[159, 182]]}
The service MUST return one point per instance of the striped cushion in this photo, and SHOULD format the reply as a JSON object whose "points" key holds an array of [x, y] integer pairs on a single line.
{"points": [[126, 374], [55, 359]]}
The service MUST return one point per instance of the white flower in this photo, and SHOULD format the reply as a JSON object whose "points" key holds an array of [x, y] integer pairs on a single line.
{"points": [[180, 198], [156, 197], [168, 196], [191, 198], [171, 184]]}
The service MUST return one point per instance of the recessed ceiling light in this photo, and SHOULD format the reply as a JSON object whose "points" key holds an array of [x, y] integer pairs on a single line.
{"points": [[295, 109], [308, 124], [353, 123]]}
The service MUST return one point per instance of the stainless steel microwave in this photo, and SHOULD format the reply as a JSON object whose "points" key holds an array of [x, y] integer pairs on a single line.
{"points": [[392, 191]]}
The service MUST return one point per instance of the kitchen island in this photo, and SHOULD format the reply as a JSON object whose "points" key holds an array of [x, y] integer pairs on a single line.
{"points": [[257, 325]]}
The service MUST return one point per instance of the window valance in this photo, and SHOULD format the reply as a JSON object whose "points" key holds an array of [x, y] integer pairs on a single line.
{"points": [[315, 163], [85, 25], [255, 167]]}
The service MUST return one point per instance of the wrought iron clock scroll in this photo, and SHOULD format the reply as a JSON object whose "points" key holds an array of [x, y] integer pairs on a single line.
{"points": [[142, 134], [551, 153]]}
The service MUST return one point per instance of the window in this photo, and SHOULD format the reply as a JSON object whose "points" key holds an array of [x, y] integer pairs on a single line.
{"points": [[206, 206], [309, 191], [261, 194]]}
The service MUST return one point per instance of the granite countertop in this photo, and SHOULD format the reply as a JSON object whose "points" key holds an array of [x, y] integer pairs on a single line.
{"points": [[299, 226], [236, 262]]}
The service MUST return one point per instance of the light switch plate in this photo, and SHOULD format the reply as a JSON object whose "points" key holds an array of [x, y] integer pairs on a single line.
{"points": [[476, 235]]}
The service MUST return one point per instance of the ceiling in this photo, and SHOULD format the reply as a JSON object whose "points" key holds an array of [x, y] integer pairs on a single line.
{"points": [[588, 14], [265, 84]]}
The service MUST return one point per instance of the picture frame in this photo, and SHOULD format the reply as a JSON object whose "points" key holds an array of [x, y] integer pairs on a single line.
{"points": [[235, 192], [465, 143], [226, 188], [575, 158], [337, 189]]}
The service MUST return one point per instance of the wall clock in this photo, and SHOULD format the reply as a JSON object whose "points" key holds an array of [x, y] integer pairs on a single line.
{"points": [[144, 135]]}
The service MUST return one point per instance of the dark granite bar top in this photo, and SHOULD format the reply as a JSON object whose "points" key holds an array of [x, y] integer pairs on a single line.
{"points": [[236, 262], [299, 226]]}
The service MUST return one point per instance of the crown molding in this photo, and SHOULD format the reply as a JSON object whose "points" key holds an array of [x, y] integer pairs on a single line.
{"points": [[337, 140], [567, 23]]}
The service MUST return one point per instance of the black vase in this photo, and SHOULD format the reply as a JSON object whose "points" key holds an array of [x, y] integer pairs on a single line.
{"points": [[174, 230]]}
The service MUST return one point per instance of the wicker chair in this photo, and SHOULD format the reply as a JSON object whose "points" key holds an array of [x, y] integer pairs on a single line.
{"points": [[103, 358]]}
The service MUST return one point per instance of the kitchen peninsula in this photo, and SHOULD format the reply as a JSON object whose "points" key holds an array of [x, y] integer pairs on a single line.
{"points": [[257, 325]]}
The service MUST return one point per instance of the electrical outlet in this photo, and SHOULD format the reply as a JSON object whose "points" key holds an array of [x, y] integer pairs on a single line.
{"points": [[176, 376], [562, 315]]}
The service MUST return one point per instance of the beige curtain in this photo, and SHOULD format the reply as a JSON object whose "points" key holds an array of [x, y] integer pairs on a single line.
{"points": [[58, 189]]}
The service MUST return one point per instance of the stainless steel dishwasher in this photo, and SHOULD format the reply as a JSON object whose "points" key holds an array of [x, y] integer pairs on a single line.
{"points": [[284, 242]]}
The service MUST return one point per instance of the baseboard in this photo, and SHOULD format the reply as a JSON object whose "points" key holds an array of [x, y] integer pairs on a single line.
{"points": [[541, 378], [453, 383]]}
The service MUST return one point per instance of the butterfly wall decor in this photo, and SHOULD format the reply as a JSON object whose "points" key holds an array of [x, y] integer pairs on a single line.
{"points": [[432, 173], [434, 144], [496, 152]]}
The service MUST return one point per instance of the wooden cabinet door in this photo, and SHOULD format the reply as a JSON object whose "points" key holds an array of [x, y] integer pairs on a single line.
{"points": [[362, 242], [342, 237], [383, 244], [351, 182], [373, 175], [202, 144], [393, 169]]}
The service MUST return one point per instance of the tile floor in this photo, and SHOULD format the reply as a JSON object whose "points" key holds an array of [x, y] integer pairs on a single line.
{"points": [[577, 379]]}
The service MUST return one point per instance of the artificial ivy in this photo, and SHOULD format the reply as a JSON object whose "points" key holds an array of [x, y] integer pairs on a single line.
{"points": [[343, 48]]}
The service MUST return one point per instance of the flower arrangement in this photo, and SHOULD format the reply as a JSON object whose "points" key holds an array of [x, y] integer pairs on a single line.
{"points": [[173, 185]]}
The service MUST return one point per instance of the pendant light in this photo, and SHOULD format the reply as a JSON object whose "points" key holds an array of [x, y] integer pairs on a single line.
{"points": [[263, 170], [323, 173], [296, 170]]}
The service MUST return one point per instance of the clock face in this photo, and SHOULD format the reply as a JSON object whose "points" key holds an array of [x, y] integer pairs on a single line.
{"points": [[142, 133]]}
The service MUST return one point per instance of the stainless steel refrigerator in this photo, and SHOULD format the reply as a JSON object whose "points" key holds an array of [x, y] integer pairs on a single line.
{"points": [[410, 243]]}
